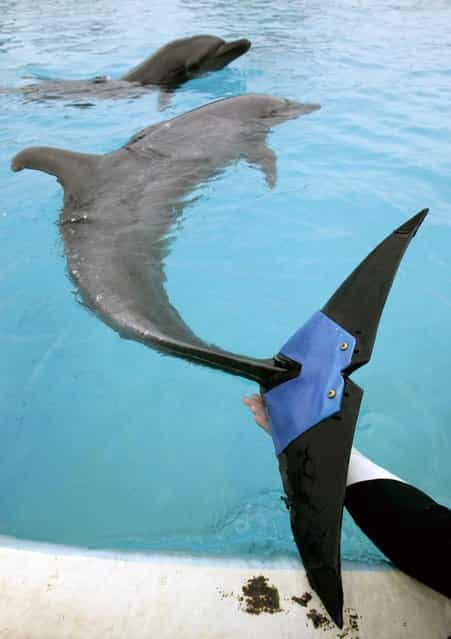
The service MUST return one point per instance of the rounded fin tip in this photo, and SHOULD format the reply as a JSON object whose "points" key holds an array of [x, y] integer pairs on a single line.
{"points": [[16, 164]]}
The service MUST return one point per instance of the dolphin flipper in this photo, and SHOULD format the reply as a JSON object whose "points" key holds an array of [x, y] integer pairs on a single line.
{"points": [[264, 159]]}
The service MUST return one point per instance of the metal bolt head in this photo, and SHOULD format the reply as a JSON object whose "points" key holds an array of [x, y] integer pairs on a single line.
{"points": [[344, 346], [331, 393]]}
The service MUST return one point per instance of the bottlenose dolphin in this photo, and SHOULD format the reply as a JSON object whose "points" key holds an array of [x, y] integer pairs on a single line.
{"points": [[119, 207], [168, 68]]}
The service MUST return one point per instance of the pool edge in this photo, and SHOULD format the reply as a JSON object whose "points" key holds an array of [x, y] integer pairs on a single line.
{"points": [[50, 592]]}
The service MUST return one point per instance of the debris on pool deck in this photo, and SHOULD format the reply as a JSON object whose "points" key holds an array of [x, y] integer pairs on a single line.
{"points": [[50, 592]]}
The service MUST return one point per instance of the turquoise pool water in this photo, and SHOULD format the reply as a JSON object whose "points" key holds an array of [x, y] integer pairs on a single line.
{"points": [[106, 444]]}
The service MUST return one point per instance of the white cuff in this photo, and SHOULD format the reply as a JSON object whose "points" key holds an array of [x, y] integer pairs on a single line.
{"points": [[363, 469]]}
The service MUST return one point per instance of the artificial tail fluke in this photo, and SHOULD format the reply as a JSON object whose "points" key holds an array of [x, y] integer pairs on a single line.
{"points": [[313, 416]]}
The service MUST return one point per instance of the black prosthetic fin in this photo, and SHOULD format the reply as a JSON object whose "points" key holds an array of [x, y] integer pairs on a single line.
{"points": [[313, 416], [358, 303]]}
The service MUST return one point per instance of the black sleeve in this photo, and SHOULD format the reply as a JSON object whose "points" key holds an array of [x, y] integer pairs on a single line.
{"points": [[409, 527]]}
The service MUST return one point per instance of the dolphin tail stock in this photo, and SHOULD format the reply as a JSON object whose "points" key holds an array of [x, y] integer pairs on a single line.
{"points": [[266, 372], [73, 170]]}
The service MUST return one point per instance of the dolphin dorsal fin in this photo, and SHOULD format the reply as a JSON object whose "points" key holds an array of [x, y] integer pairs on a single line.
{"points": [[73, 170]]}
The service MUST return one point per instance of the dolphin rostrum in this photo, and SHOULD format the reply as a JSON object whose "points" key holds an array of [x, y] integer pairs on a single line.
{"points": [[119, 207], [168, 68]]}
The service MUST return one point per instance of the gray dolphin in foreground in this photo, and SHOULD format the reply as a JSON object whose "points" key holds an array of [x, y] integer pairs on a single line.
{"points": [[168, 68], [119, 208]]}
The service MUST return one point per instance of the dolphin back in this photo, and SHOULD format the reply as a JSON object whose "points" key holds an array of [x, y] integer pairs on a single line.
{"points": [[119, 208]]}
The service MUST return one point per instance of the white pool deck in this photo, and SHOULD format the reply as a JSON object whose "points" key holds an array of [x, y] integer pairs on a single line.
{"points": [[51, 592]]}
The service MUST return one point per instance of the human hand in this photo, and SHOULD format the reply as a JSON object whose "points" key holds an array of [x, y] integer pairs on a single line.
{"points": [[257, 406]]}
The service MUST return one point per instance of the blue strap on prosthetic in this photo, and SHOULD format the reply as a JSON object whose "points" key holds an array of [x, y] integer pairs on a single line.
{"points": [[324, 349]]}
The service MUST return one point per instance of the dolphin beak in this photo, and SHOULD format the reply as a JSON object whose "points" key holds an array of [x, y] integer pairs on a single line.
{"points": [[309, 108], [242, 45], [294, 109], [229, 51]]}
